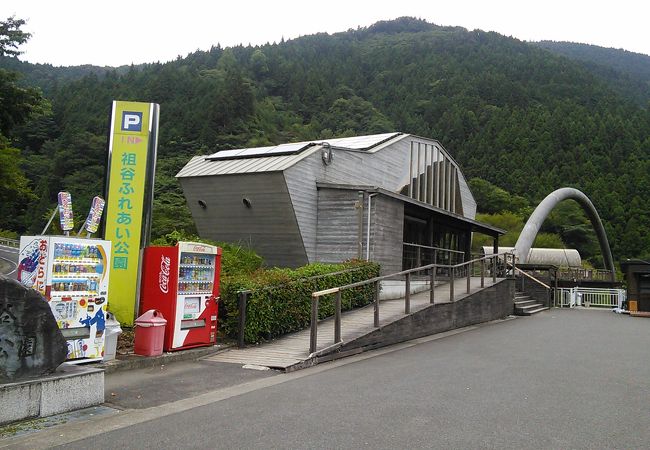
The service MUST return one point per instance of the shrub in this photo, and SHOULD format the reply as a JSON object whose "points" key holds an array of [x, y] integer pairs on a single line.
{"points": [[235, 259], [280, 299], [9, 234]]}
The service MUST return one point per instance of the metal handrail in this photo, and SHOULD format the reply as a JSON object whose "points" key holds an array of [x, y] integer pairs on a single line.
{"points": [[532, 278], [9, 242], [434, 248], [584, 274], [243, 296], [315, 296]]}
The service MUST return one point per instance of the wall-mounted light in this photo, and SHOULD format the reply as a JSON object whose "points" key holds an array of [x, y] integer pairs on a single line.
{"points": [[326, 154], [202, 204], [247, 202]]}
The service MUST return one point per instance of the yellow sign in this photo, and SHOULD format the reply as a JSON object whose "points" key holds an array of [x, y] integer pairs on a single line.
{"points": [[131, 133]]}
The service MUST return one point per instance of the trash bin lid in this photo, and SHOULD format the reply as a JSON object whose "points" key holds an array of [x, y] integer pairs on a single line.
{"points": [[151, 318]]}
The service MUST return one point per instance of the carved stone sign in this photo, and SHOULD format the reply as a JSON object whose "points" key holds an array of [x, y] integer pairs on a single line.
{"points": [[31, 343]]}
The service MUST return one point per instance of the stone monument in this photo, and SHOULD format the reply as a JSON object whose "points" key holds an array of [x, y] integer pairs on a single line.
{"points": [[31, 344]]}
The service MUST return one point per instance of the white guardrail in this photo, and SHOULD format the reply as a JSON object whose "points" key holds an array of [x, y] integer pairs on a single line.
{"points": [[598, 297], [9, 242]]}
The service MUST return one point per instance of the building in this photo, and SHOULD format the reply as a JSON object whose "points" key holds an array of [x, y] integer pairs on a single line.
{"points": [[394, 198], [637, 277]]}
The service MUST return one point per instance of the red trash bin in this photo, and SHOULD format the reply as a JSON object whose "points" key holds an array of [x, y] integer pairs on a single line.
{"points": [[149, 333]]}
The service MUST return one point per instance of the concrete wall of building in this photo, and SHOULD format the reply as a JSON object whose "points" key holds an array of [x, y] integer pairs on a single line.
{"points": [[387, 167], [386, 233], [338, 225], [340, 229], [495, 302]]}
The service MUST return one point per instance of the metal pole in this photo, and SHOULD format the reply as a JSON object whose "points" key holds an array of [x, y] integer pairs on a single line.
{"points": [[337, 319], [407, 296], [432, 282], [411, 173], [495, 261], [359, 206], [555, 285], [49, 222], [469, 273], [482, 273], [451, 284], [377, 286], [370, 196], [313, 337], [243, 300]]}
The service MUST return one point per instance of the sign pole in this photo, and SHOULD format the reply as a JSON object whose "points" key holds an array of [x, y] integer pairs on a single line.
{"points": [[129, 194]]}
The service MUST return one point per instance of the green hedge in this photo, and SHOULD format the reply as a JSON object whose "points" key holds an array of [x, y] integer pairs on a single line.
{"points": [[280, 301], [235, 259]]}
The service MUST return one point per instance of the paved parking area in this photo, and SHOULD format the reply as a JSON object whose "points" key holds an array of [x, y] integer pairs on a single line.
{"points": [[561, 379]]}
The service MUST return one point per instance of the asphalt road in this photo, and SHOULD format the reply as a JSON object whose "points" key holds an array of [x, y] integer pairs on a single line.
{"points": [[155, 386], [560, 379], [8, 261]]}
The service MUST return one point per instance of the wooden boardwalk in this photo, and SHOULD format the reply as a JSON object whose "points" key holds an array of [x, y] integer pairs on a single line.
{"points": [[293, 349]]}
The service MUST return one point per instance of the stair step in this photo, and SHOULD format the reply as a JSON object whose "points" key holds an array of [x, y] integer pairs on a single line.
{"points": [[523, 303], [522, 297], [531, 306], [530, 312]]}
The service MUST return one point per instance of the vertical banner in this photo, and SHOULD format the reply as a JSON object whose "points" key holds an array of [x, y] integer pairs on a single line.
{"points": [[94, 215], [129, 190], [65, 211]]}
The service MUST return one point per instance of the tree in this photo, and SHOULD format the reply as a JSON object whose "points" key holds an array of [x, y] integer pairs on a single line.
{"points": [[16, 103], [16, 106], [492, 199], [15, 192], [11, 36]]}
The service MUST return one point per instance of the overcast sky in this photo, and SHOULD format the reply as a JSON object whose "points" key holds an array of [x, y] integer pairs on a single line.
{"points": [[118, 32]]}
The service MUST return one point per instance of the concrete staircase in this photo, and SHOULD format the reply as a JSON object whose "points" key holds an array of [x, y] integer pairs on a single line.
{"points": [[526, 306]]}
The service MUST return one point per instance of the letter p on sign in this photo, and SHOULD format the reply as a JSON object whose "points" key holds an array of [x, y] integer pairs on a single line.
{"points": [[131, 121]]}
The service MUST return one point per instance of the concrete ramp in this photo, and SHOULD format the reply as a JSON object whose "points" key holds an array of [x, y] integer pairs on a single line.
{"points": [[291, 352]]}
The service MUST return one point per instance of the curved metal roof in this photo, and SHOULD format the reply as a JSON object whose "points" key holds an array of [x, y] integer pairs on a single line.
{"points": [[275, 158]]}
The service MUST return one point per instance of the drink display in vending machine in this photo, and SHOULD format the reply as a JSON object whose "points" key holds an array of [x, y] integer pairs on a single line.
{"points": [[72, 274], [182, 282]]}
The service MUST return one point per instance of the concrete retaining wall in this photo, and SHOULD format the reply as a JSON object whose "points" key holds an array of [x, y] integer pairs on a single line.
{"points": [[536, 291], [68, 389], [492, 303]]}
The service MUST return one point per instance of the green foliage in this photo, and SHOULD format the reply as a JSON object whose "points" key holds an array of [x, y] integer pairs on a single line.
{"points": [[511, 222], [492, 199], [236, 260], [15, 192], [11, 36], [548, 240], [280, 299], [626, 71], [9, 234]]}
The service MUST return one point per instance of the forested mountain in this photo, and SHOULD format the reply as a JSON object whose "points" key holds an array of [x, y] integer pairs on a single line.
{"points": [[512, 113], [627, 72], [47, 77]]}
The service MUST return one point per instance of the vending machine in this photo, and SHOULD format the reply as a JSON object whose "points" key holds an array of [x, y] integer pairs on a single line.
{"points": [[72, 274], [182, 282]]}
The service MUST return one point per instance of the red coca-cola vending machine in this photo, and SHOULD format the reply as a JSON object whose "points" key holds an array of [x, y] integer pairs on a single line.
{"points": [[182, 282]]}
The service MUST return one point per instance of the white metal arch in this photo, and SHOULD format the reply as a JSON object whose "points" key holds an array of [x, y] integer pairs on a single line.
{"points": [[528, 234]]}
